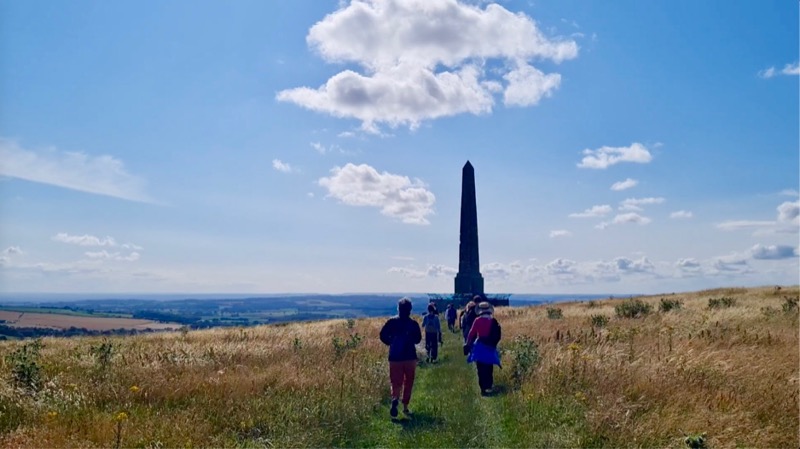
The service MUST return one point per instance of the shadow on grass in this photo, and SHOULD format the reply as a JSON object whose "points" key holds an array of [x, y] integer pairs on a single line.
{"points": [[419, 421]]}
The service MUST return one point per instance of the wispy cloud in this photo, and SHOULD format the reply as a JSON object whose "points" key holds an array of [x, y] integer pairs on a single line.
{"points": [[788, 69], [560, 233], [594, 211], [281, 166], [84, 240], [636, 203], [432, 271], [605, 157], [629, 218], [100, 175], [424, 60], [681, 214], [91, 240], [396, 196], [623, 185], [105, 255]]}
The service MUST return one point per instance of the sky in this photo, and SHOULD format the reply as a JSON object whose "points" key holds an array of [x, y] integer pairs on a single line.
{"points": [[316, 146]]}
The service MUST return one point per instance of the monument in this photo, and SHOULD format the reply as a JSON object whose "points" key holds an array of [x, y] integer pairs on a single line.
{"points": [[468, 281]]}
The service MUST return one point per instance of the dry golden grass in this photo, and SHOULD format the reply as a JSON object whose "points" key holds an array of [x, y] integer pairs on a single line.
{"points": [[730, 372]]}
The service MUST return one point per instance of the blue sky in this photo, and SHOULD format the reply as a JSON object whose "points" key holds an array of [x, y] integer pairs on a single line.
{"points": [[317, 146]]}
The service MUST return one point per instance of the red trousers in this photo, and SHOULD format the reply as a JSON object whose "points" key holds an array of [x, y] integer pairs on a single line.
{"points": [[401, 375]]}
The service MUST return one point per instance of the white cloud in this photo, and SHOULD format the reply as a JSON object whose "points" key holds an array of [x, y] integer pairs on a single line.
{"points": [[84, 240], [105, 255], [422, 60], [100, 175], [789, 212], [625, 265], [432, 271], [788, 69], [281, 166], [605, 157], [623, 185], [594, 211], [560, 233], [629, 218], [688, 264], [527, 85], [790, 192], [636, 203], [397, 196], [737, 225], [12, 251], [772, 252], [681, 214]]}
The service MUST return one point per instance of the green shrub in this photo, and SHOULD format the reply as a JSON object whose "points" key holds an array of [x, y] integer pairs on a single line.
{"points": [[102, 353], [789, 304], [25, 369], [598, 320], [670, 304], [721, 303], [632, 308], [554, 313], [525, 355]]}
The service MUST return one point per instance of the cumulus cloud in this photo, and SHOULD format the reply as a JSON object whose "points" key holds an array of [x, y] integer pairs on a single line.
{"points": [[681, 214], [623, 185], [788, 69], [594, 211], [636, 203], [100, 175], [772, 252], [789, 212], [689, 266], [560, 233], [12, 251], [605, 157], [281, 166], [626, 265], [422, 60], [396, 195]]}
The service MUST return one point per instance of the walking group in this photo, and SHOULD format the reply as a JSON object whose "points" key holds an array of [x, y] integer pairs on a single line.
{"points": [[480, 332]]}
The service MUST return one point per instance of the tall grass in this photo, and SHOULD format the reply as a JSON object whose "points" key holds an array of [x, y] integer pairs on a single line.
{"points": [[731, 372]]}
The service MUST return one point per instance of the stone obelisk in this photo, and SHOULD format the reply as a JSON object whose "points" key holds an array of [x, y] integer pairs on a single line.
{"points": [[468, 280]]}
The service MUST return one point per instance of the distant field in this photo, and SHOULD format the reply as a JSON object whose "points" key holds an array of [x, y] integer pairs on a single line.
{"points": [[59, 321]]}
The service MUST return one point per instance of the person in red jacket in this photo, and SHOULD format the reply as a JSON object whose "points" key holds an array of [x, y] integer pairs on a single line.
{"points": [[482, 340], [400, 333]]}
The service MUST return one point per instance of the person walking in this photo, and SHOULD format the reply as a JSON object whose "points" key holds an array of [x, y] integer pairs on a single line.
{"points": [[450, 316], [433, 333], [482, 341], [400, 333], [467, 318]]}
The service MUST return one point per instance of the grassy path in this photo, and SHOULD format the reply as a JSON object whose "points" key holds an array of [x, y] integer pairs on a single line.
{"points": [[448, 408]]}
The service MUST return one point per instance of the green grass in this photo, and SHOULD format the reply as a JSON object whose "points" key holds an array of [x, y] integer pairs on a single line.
{"points": [[58, 311], [450, 412]]}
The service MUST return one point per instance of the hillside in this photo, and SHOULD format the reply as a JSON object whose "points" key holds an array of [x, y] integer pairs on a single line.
{"points": [[723, 362]]}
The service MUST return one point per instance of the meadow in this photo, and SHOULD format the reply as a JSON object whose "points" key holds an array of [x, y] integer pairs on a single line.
{"points": [[642, 372]]}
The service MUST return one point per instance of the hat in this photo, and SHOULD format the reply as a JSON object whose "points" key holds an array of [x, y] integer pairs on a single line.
{"points": [[485, 307]]}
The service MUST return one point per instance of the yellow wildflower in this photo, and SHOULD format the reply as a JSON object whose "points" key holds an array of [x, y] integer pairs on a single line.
{"points": [[52, 414], [121, 416], [574, 347], [135, 389]]}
